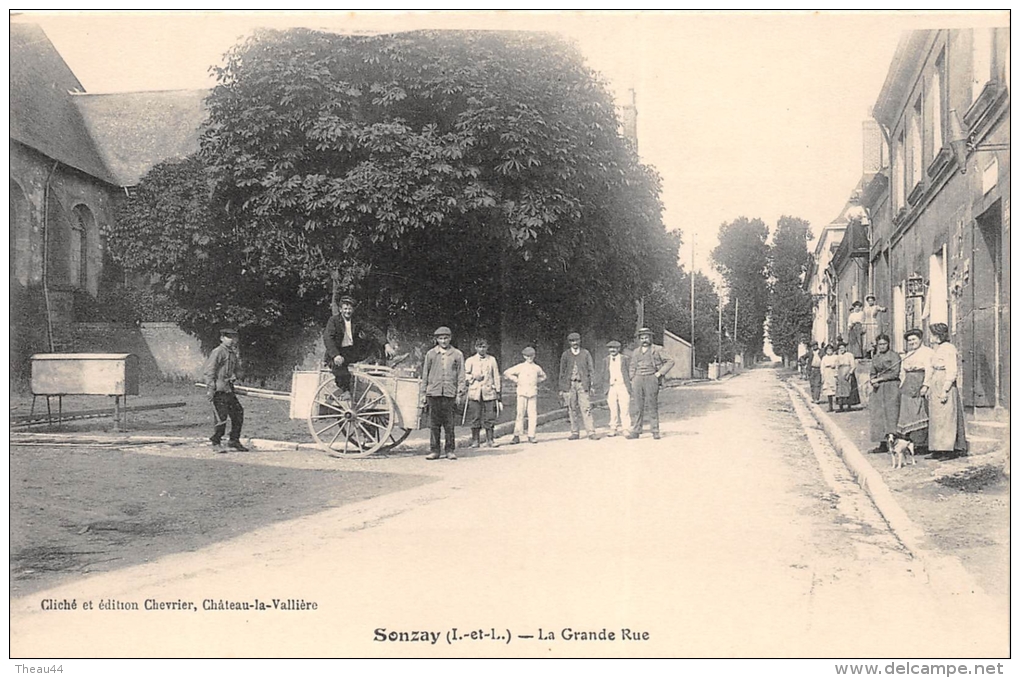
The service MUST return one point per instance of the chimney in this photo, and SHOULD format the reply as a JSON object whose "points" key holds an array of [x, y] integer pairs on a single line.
{"points": [[873, 151]]}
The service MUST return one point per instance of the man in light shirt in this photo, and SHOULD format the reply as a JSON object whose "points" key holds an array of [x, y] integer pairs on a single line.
{"points": [[484, 390], [527, 375], [616, 375]]}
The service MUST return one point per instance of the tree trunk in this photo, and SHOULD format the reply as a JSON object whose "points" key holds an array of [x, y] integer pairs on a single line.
{"points": [[334, 302]]}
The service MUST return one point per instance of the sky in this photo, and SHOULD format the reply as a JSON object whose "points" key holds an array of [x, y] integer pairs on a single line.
{"points": [[742, 113]]}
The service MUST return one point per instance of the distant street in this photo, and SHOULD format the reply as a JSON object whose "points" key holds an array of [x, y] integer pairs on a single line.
{"points": [[730, 536]]}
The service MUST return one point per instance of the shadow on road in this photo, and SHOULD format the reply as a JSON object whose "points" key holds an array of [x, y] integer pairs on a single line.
{"points": [[75, 511]]}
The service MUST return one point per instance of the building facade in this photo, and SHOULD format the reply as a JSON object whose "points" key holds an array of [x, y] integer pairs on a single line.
{"points": [[72, 157], [940, 236], [821, 282]]}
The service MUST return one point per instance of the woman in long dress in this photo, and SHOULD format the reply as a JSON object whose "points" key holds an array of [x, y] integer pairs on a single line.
{"points": [[855, 330], [846, 381], [915, 380], [947, 437], [884, 404], [830, 374]]}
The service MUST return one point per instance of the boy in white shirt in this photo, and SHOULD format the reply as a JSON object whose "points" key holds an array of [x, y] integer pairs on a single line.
{"points": [[527, 375]]}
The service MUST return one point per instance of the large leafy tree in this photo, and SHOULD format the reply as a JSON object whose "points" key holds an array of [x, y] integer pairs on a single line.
{"points": [[790, 309], [742, 257], [477, 179]]}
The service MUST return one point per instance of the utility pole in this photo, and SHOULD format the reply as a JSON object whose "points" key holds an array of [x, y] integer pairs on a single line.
{"points": [[718, 355], [736, 317]]}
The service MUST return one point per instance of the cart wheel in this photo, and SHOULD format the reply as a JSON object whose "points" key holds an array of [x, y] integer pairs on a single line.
{"points": [[356, 426], [397, 435]]}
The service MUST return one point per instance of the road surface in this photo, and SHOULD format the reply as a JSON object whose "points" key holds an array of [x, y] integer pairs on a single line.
{"points": [[732, 536]]}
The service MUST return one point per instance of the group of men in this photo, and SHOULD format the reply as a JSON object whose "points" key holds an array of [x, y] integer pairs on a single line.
{"points": [[449, 384]]}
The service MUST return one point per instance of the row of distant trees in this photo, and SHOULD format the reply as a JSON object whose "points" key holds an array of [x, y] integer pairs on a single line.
{"points": [[765, 282], [478, 180]]}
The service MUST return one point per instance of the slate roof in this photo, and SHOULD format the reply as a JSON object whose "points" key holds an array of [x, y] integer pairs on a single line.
{"points": [[42, 115], [136, 130]]}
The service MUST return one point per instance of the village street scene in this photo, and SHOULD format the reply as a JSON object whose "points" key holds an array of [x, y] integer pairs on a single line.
{"points": [[446, 335]]}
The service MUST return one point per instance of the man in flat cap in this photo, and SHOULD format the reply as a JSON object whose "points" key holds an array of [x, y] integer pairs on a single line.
{"points": [[346, 342], [648, 366], [577, 374], [616, 380], [442, 391], [223, 368]]}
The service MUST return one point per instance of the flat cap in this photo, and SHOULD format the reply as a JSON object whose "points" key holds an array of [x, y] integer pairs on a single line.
{"points": [[644, 330], [613, 344], [442, 331], [228, 331], [347, 299], [573, 335]]}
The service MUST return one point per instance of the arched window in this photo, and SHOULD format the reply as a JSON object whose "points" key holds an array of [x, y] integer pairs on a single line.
{"points": [[82, 231], [21, 235]]}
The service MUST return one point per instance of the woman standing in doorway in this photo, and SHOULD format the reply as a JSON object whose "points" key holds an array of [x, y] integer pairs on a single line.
{"points": [[947, 437], [915, 380]]}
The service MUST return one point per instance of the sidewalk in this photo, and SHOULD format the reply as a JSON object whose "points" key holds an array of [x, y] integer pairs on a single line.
{"points": [[962, 505]]}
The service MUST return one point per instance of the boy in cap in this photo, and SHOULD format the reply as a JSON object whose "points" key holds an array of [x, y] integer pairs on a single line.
{"points": [[442, 388], [577, 372], [223, 368], [616, 375], [527, 375], [484, 390], [647, 367]]}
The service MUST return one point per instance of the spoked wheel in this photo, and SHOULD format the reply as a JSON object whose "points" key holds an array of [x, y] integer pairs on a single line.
{"points": [[356, 425], [397, 435]]}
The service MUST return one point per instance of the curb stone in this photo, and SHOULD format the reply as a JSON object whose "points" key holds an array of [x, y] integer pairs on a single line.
{"points": [[947, 572]]}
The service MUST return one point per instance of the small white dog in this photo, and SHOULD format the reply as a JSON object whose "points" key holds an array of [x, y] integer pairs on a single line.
{"points": [[898, 448]]}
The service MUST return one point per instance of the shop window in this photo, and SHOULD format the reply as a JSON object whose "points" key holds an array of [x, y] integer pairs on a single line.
{"points": [[936, 301]]}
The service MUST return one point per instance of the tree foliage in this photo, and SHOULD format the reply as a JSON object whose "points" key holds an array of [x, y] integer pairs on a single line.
{"points": [[790, 309], [742, 257], [669, 305], [474, 179]]}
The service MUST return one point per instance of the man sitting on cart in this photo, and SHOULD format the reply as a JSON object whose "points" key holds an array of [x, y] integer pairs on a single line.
{"points": [[347, 342]]}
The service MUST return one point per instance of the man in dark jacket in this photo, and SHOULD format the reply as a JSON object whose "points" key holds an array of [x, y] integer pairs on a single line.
{"points": [[346, 342], [648, 366], [577, 383], [222, 369]]}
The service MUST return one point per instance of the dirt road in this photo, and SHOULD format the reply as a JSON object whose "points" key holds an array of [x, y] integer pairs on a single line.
{"points": [[725, 538]]}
